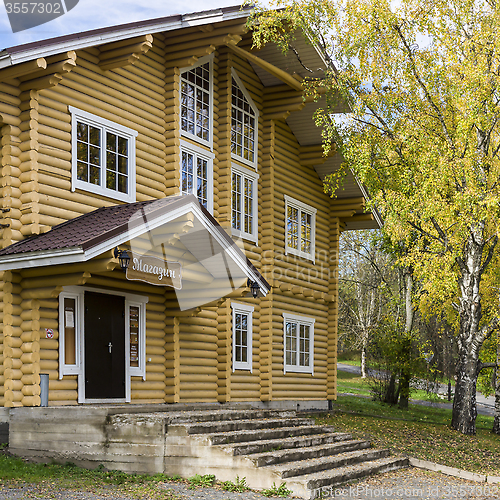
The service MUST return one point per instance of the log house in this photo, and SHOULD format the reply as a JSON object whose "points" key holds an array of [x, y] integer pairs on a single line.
{"points": [[176, 142]]}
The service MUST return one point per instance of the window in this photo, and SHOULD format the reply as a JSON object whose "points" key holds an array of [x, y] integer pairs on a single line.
{"points": [[103, 156], [69, 334], [299, 344], [242, 336], [243, 124], [196, 102], [197, 174], [136, 336], [300, 228], [244, 203]]}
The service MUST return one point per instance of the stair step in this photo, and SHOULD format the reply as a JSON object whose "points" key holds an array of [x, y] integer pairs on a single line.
{"points": [[314, 465], [266, 445], [301, 454], [342, 475], [222, 415], [242, 425], [258, 435]]}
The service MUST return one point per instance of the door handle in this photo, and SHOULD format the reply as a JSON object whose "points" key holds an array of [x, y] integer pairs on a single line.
{"points": [[110, 347]]}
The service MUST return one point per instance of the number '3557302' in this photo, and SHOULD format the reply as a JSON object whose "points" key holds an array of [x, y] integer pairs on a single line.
{"points": [[26, 15]]}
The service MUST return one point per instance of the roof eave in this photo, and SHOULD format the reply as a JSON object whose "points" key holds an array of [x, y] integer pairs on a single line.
{"points": [[28, 52]]}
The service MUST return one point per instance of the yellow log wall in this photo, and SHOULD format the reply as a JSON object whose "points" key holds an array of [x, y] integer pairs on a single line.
{"points": [[198, 371], [133, 96], [9, 157], [300, 286], [12, 342]]}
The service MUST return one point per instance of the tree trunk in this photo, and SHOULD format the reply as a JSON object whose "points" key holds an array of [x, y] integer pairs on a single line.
{"points": [[496, 420], [391, 397], [405, 376], [469, 339], [464, 403], [363, 360]]}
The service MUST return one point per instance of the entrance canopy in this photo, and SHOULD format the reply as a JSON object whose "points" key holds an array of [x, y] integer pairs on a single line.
{"points": [[176, 233]]}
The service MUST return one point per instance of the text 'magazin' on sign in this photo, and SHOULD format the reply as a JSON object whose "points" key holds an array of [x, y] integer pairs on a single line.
{"points": [[155, 271]]}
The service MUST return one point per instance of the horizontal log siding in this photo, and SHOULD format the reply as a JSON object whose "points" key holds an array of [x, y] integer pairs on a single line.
{"points": [[224, 351], [302, 183], [222, 140], [9, 157], [134, 97], [333, 308], [12, 331], [172, 358], [266, 241], [198, 371], [245, 385]]}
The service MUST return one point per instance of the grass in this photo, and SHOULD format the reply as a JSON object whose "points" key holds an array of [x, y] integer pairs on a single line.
{"points": [[421, 432], [54, 477], [354, 384]]}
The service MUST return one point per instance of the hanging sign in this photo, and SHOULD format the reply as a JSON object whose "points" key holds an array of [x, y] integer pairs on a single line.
{"points": [[154, 271]]}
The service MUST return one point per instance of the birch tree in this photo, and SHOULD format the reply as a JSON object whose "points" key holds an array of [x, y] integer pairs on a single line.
{"points": [[422, 79]]}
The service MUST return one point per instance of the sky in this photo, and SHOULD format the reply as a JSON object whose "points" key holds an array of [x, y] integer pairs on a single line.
{"points": [[93, 14]]}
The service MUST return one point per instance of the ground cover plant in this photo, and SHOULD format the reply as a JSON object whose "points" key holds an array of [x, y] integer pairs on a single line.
{"points": [[421, 432], [50, 478]]}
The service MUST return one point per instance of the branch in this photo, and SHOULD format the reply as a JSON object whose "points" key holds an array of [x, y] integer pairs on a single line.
{"points": [[424, 88], [490, 253]]}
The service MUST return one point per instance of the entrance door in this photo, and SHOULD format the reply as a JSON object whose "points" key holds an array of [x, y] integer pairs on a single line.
{"points": [[104, 346]]}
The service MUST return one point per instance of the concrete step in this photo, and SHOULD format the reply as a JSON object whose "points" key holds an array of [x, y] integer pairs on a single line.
{"points": [[286, 443], [314, 465], [244, 425], [260, 434], [310, 452], [335, 477], [223, 415]]}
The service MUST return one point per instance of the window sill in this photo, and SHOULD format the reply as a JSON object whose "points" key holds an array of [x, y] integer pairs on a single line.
{"points": [[244, 236]]}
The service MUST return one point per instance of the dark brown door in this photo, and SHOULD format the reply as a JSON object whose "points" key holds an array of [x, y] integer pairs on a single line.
{"points": [[104, 346]]}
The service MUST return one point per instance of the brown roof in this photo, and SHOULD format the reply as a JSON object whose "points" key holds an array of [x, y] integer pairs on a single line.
{"points": [[77, 37], [96, 227], [93, 228]]}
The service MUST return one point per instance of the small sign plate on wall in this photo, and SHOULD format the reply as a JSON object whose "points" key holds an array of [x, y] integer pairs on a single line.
{"points": [[155, 271], [49, 333]]}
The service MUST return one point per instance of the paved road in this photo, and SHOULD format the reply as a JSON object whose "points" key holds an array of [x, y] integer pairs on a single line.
{"points": [[485, 405]]}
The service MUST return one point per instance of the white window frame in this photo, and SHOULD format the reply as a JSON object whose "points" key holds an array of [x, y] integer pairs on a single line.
{"points": [[299, 320], [301, 207], [131, 300], [202, 61], [248, 311], [105, 126], [65, 369], [244, 91], [200, 152], [253, 177]]}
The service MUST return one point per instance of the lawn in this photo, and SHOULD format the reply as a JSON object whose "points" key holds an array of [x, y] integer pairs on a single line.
{"points": [[421, 432], [354, 384]]}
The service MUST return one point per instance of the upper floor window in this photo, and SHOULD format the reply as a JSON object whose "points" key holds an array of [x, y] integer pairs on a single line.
{"points": [[300, 228], [299, 343], [197, 173], [244, 203], [196, 102], [103, 156], [243, 124]]}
